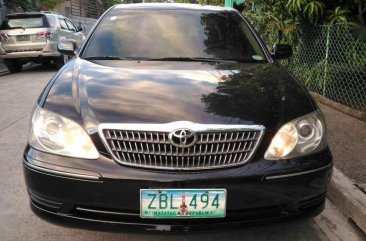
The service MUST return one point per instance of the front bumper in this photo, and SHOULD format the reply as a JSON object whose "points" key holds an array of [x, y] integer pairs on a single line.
{"points": [[257, 192]]}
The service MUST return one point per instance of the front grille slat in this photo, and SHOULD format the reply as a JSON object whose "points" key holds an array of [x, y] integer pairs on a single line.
{"points": [[152, 148]]}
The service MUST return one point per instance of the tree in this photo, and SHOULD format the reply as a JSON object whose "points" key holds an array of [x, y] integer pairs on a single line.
{"points": [[34, 4], [109, 3], [282, 20]]}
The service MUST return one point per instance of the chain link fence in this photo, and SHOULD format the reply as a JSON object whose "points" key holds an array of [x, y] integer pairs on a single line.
{"points": [[331, 61]]}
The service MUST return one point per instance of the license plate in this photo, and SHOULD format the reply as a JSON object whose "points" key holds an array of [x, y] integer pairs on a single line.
{"points": [[183, 203], [23, 38]]}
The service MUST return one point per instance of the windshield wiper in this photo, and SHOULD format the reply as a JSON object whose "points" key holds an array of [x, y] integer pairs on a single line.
{"points": [[107, 57], [178, 59], [192, 59]]}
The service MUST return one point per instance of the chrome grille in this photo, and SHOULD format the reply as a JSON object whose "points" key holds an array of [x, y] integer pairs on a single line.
{"points": [[149, 146]]}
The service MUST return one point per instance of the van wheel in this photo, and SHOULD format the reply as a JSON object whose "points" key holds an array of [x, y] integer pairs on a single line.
{"points": [[14, 67], [62, 61]]}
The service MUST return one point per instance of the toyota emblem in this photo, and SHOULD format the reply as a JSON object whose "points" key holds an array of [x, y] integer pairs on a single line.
{"points": [[183, 138]]}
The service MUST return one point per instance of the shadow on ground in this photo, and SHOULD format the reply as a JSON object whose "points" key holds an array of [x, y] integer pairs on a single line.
{"points": [[31, 68]]}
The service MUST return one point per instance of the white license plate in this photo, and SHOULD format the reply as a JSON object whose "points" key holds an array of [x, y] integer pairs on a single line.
{"points": [[183, 203], [23, 38]]}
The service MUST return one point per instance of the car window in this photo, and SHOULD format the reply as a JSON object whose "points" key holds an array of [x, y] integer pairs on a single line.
{"points": [[23, 22], [63, 24], [51, 20], [70, 25], [174, 33]]}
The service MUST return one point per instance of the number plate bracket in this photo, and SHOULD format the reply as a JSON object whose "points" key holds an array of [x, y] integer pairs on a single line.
{"points": [[182, 203]]}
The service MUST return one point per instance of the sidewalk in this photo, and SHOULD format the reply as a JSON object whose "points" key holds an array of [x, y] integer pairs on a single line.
{"points": [[347, 141]]}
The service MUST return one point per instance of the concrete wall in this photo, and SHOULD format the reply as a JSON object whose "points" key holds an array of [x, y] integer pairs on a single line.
{"points": [[63, 8]]}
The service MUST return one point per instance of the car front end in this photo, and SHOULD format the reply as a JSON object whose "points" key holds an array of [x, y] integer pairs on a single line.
{"points": [[175, 143]]}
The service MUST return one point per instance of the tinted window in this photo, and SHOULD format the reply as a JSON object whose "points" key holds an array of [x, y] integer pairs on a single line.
{"points": [[23, 22], [174, 33], [63, 24], [70, 25], [51, 20]]}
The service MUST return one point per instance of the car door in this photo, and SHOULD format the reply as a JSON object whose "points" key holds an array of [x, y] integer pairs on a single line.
{"points": [[78, 36], [65, 31]]}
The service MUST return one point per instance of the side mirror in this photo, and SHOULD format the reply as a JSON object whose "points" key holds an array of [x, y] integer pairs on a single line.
{"points": [[79, 29], [282, 51], [67, 47]]}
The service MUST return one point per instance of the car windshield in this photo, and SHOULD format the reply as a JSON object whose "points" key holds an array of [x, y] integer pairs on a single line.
{"points": [[23, 22], [169, 34]]}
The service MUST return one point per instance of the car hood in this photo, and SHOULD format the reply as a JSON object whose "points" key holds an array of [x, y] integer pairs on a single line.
{"points": [[161, 92]]}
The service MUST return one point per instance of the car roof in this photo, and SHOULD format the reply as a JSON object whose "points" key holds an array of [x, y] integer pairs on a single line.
{"points": [[25, 14], [33, 13], [181, 6]]}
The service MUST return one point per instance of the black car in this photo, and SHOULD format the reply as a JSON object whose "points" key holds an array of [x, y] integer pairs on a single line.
{"points": [[175, 116]]}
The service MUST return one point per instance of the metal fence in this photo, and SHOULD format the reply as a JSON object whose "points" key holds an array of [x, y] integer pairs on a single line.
{"points": [[331, 61], [85, 12], [87, 8]]}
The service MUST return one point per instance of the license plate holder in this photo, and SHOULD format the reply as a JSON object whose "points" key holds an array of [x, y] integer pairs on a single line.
{"points": [[23, 37], [182, 203]]}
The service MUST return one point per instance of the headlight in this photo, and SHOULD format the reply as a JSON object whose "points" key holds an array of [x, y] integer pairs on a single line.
{"points": [[58, 135], [304, 135]]}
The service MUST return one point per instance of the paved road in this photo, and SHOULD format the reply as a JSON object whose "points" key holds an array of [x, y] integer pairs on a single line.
{"points": [[18, 93]]}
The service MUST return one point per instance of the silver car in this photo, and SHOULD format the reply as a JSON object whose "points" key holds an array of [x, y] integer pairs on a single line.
{"points": [[33, 37]]}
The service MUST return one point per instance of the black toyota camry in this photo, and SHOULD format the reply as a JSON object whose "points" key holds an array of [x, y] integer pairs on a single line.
{"points": [[174, 116]]}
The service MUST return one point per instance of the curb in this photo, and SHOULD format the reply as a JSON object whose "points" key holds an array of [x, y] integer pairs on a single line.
{"points": [[348, 199], [333, 226], [358, 114]]}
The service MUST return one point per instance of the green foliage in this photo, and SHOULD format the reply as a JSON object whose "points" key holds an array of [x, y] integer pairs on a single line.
{"points": [[310, 10], [35, 4], [184, 1], [283, 20], [330, 50], [313, 11], [339, 15], [295, 5], [109, 3], [311, 75], [273, 21]]}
